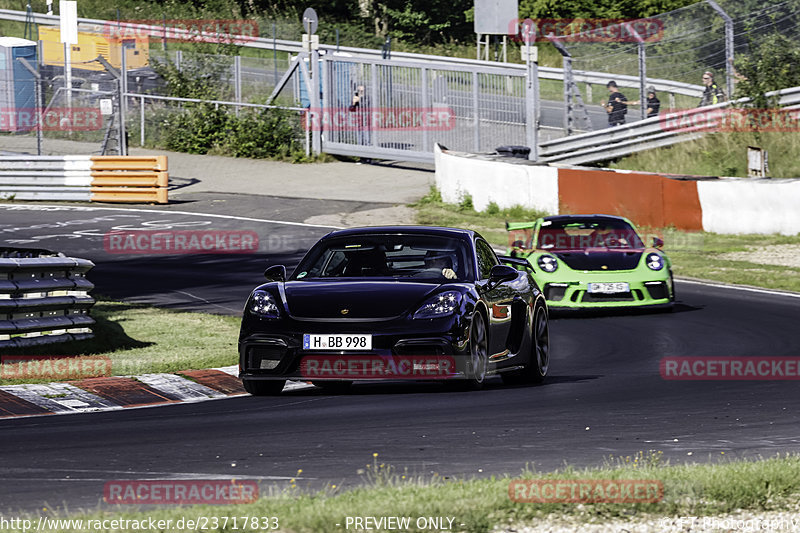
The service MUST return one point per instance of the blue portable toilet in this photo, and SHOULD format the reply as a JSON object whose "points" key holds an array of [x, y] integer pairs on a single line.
{"points": [[17, 85]]}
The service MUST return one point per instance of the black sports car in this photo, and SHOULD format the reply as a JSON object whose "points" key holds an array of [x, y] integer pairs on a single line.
{"points": [[402, 302]]}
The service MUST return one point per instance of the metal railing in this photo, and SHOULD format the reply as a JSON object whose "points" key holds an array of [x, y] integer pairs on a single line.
{"points": [[650, 133], [44, 298]]}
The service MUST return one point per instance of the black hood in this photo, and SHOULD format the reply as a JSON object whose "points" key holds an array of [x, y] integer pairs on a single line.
{"points": [[597, 259], [362, 299]]}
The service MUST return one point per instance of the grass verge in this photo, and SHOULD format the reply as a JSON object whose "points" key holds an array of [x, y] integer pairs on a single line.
{"points": [[698, 255], [720, 154], [140, 339], [482, 504]]}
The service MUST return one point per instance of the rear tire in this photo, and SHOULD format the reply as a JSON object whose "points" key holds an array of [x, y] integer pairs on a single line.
{"points": [[536, 369], [262, 387]]}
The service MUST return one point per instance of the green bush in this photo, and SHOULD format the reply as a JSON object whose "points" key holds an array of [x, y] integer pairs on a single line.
{"points": [[263, 134]]}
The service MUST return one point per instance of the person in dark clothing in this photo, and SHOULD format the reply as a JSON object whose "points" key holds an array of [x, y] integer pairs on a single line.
{"points": [[713, 93], [616, 106], [653, 103]]}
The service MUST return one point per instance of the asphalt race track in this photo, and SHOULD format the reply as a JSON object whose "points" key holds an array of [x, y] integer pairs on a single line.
{"points": [[605, 395]]}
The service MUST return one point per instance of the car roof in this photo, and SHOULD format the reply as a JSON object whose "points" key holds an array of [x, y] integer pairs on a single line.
{"points": [[406, 230], [576, 218]]}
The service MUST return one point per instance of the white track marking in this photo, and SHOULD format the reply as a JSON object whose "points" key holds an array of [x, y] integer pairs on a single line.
{"points": [[162, 212], [739, 288]]}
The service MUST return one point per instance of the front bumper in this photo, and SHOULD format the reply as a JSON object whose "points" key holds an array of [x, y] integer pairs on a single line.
{"points": [[575, 294], [274, 351]]}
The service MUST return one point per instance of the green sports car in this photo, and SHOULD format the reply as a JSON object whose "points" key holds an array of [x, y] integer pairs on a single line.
{"points": [[589, 261]]}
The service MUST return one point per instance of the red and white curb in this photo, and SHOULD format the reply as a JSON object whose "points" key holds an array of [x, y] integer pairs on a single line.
{"points": [[120, 392]]}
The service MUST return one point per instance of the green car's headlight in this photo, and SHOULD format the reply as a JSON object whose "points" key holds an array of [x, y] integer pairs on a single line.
{"points": [[548, 263], [654, 261]]}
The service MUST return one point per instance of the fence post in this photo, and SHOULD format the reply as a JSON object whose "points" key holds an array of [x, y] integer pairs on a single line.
{"points": [[373, 103], [569, 119], [728, 45], [425, 105], [476, 110], [37, 89], [531, 54], [642, 80], [237, 81], [141, 118], [123, 104]]}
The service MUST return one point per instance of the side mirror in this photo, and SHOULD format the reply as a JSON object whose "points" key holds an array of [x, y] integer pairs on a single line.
{"points": [[657, 243], [501, 273], [275, 273]]}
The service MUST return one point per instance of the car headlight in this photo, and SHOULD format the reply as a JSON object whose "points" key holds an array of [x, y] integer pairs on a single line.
{"points": [[442, 304], [548, 263], [654, 261], [263, 305]]}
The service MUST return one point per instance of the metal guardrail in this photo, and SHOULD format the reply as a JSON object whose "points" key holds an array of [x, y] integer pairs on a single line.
{"points": [[44, 298], [624, 140], [342, 52], [138, 179]]}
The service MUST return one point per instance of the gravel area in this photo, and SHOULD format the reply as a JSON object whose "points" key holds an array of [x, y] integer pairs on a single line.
{"points": [[776, 254]]}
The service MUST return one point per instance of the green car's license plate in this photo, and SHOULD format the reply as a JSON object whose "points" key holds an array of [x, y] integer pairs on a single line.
{"points": [[609, 288]]}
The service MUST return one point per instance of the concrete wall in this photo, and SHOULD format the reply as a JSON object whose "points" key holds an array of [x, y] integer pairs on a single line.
{"points": [[505, 183], [720, 205], [749, 205]]}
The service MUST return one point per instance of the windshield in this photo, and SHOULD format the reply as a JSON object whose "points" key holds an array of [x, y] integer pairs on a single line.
{"points": [[589, 233], [418, 257]]}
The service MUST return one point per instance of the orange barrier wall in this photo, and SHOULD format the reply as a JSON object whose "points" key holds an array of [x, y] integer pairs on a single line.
{"points": [[647, 199]]}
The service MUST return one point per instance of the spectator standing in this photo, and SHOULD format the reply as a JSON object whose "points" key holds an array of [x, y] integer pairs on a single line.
{"points": [[617, 105], [653, 103], [713, 93]]}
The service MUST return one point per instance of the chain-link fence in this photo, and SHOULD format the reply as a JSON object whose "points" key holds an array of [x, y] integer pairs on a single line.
{"points": [[680, 45], [86, 117]]}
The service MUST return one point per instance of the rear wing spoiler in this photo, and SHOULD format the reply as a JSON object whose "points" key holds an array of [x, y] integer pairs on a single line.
{"points": [[519, 225], [515, 262]]}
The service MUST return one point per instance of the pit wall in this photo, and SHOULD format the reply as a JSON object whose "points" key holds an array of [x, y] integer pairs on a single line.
{"points": [[693, 203]]}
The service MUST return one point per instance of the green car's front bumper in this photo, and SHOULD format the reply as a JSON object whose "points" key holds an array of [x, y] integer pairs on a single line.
{"points": [[562, 292]]}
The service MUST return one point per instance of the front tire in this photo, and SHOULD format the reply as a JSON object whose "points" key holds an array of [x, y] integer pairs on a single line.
{"points": [[478, 354], [258, 387]]}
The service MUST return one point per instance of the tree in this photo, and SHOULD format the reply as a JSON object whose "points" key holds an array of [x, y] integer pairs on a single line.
{"points": [[771, 64]]}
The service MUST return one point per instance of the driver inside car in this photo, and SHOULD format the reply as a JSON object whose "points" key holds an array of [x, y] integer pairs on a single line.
{"points": [[439, 264]]}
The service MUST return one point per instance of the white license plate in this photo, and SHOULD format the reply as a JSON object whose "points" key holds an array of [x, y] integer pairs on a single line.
{"points": [[337, 342], [609, 288]]}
